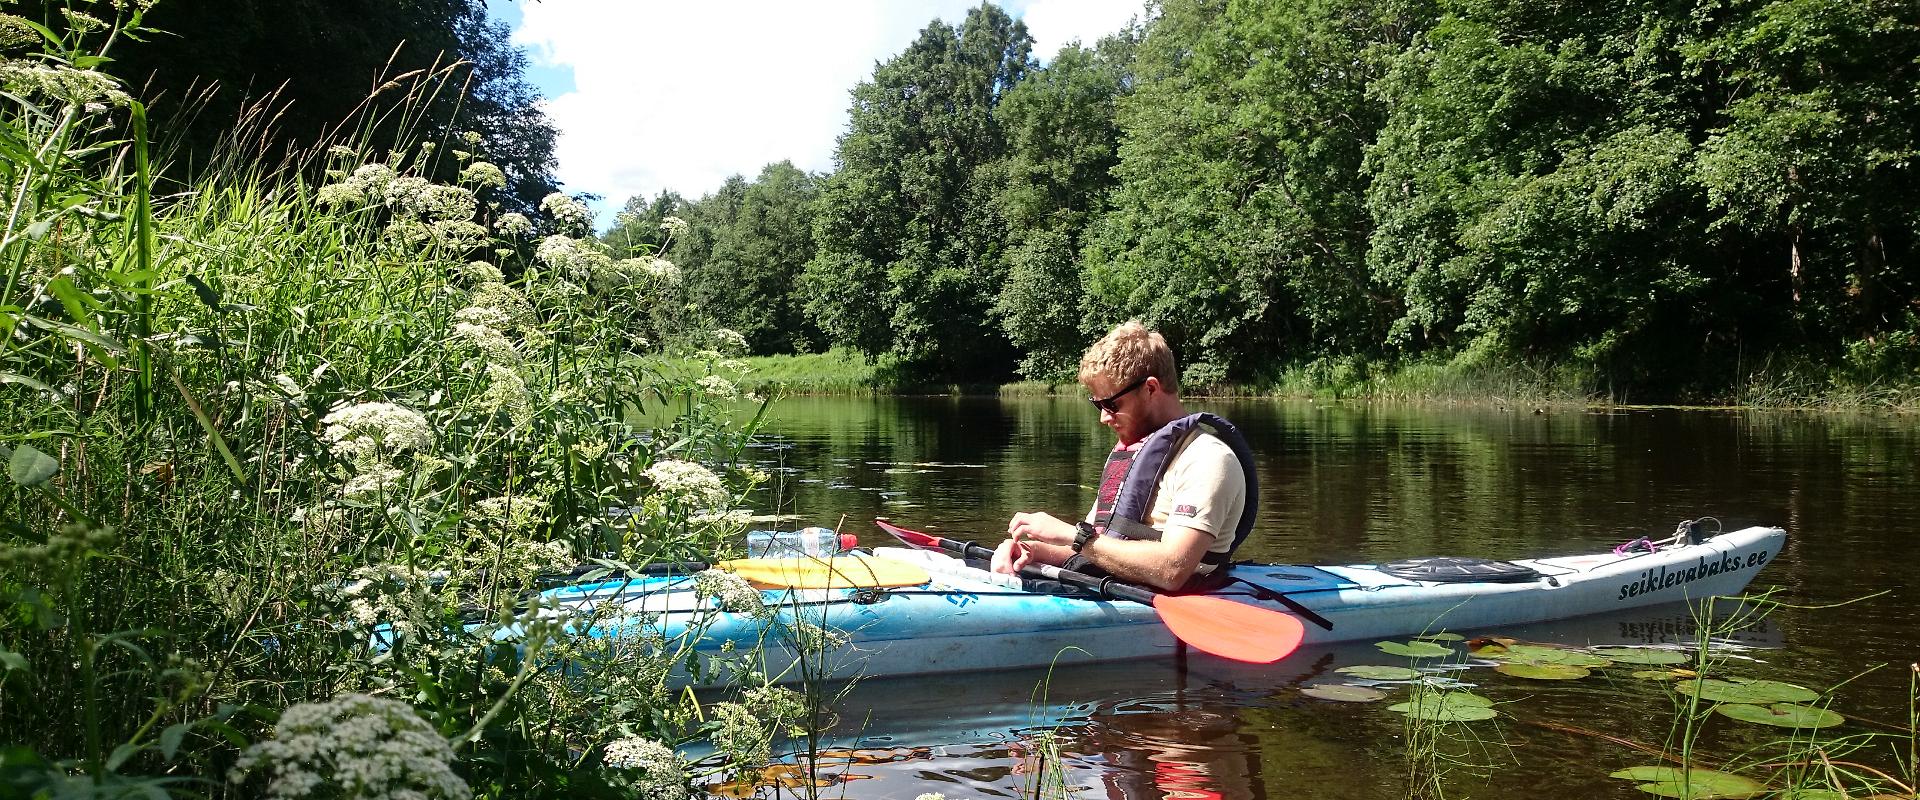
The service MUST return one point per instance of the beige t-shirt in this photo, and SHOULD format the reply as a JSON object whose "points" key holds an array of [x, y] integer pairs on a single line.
{"points": [[1204, 489]]}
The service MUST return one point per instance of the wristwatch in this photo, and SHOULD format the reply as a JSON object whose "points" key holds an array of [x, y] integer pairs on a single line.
{"points": [[1085, 534]]}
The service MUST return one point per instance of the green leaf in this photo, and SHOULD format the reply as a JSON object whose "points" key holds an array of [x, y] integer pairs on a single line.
{"points": [[170, 738], [1379, 673], [1648, 656], [30, 467], [14, 662], [1443, 636], [1693, 784], [14, 377], [1536, 654], [38, 230], [1781, 715], [1543, 672], [1751, 691], [120, 755], [1447, 707], [1414, 649], [1343, 693], [206, 293]]}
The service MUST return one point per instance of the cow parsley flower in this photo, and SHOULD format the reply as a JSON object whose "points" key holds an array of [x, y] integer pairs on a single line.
{"points": [[481, 173], [718, 388], [66, 84], [507, 392], [567, 211], [342, 151], [513, 224], [354, 746], [661, 270], [482, 272], [673, 226], [729, 340], [345, 195], [486, 316], [506, 300], [688, 482], [370, 429], [449, 203], [486, 339], [729, 591], [373, 483], [665, 774], [460, 235]]}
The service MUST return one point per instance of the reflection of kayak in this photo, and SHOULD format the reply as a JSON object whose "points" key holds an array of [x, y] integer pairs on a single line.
{"points": [[946, 617]]}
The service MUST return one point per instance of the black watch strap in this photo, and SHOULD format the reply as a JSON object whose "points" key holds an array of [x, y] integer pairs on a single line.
{"points": [[1085, 534]]}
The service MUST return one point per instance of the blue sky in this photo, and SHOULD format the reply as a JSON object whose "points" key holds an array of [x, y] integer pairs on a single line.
{"points": [[650, 95]]}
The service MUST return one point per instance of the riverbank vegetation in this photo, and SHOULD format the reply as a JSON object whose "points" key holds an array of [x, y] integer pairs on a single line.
{"points": [[1702, 202], [288, 445]]}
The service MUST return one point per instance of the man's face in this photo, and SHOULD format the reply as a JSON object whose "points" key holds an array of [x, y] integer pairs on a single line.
{"points": [[1124, 405]]}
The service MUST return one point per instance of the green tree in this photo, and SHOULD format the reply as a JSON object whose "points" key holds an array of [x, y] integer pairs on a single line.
{"points": [[907, 261], [742, 255], [1062, 144], [1238, 227]]}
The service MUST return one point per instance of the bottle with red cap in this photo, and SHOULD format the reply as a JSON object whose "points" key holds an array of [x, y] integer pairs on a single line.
{"points": [[813, 542]]}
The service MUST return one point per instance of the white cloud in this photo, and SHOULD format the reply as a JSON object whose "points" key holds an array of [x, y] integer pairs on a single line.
{"points": [[681, 95]]}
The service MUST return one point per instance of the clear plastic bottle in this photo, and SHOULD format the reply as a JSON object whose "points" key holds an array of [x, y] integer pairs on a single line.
{"points": [[803, 543]]}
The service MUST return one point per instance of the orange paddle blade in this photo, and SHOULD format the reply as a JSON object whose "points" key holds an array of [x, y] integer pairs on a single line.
{"points": [[1228, 629]]}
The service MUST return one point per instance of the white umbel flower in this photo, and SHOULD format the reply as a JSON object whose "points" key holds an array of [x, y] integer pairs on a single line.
{"points": [[566, 210], [513, 224], [354, 746], [370, 429], [688, 482], [729, 591], [665, 774], [481, 173]]}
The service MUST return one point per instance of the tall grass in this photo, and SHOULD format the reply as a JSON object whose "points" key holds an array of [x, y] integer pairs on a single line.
{"points": [[292, 444]]}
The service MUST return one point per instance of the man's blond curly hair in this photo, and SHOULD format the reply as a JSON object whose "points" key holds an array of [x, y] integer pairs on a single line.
{"points": [[1128, 353]]}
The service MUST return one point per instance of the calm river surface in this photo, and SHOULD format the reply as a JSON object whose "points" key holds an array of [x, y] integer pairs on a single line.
{"points": [[1359, 484]]}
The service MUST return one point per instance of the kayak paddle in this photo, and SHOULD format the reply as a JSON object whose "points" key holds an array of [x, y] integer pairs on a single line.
{"points": [[1211, 624]]}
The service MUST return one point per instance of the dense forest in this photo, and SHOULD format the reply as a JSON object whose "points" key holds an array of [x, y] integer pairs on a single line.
{"points": [[1661, 200]]}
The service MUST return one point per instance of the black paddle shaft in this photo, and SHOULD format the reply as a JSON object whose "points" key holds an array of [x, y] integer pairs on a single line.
{"points": [[1105, 587]]}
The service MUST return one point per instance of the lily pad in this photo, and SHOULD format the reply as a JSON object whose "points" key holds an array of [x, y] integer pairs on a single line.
{"points": [[1647, 656], [1692, 784], [1543, 672], [1536, 654], [1443, 636], [1781, 715], [1447, 707], [1750, 692], [1658, 675], [1414, 649], [1343, 693], [1379, 673]]}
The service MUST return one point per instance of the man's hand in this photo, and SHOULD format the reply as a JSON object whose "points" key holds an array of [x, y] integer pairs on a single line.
{"points": [[1039, 527], [1010, 557]]}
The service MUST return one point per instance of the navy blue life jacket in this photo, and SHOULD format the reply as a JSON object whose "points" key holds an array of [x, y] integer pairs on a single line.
{"points": [[1132, 476]]}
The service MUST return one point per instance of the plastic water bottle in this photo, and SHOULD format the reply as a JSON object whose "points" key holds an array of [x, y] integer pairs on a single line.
{"points": [[804, 543]]}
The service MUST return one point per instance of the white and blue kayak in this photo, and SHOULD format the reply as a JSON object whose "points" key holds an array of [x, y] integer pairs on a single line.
{"points": [[899, 611]]}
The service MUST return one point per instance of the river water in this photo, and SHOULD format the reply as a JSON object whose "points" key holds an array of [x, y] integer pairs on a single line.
{"points": [[1363, 484]]}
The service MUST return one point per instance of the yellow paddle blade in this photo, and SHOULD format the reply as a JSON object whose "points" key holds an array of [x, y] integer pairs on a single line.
{"points": [[839, 572]]}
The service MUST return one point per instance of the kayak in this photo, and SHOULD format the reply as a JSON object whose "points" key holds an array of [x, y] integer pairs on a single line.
{"points": [[900, 611]]}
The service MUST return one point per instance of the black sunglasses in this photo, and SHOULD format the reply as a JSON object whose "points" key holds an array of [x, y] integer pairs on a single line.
{"points": [[1110, 403]]}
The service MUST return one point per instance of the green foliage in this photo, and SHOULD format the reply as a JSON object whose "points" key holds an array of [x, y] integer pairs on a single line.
{"points": [[256, 426], [746, 248], [908, 244]]}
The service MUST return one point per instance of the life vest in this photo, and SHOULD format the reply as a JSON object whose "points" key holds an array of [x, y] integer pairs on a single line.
{"points": [[1132, 476]]}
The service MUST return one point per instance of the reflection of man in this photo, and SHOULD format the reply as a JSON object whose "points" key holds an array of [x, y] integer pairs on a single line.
{"points": [[1174, 499]]}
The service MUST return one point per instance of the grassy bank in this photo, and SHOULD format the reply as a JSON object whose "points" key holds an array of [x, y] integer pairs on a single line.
{"points": [[1466, 379]]}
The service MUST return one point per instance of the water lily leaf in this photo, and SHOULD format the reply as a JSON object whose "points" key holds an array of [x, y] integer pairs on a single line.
{"points": [[1343, 693], [1692, 784], [1648, 656], [1443, 636], [1447, 707], [1543, 672], [1658, 674], [1537, 654], [1781, 715], [1414, 649], [30, 467], [1750, 692], [1379, 673]]}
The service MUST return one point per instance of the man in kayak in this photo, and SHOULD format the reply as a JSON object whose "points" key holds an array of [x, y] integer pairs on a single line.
{"points": [[1175, 498]]}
